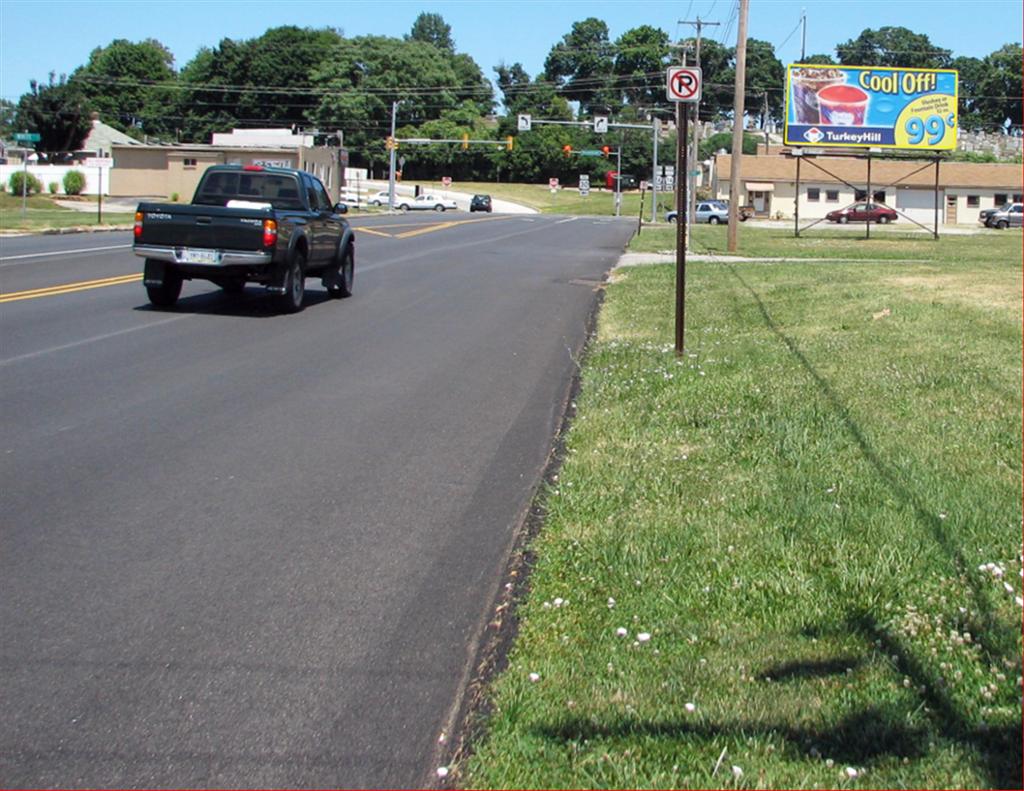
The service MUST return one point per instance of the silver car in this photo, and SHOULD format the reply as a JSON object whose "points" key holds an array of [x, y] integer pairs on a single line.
{"points": [[709, 211], [1010, 215]]}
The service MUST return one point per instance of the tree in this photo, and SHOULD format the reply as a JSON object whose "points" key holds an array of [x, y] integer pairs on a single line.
{"points": [[998, 87], [893, 46], [717, 78], [363, 76], [765, 80], [265, 81], [822, 59], [57, 112], [432, 29], [641, 57], [521, 95], [581, 66], [971, 71], [131, 85], [7, 111]]}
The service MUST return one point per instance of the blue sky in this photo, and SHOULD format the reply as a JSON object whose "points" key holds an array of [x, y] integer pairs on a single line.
{"points": [[40, 36]]}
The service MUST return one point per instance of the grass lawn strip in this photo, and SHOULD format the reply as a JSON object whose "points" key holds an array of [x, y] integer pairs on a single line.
{"points": [[791, 558]]}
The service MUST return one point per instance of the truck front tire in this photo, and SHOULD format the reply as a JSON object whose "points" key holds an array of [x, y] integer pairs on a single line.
{"points": [[341, 282]]}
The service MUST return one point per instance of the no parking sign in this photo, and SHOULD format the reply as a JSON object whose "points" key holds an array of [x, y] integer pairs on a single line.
{"points": [[683, 84]]}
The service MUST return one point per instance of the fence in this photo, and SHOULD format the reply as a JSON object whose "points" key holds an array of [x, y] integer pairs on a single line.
{"points": [[47, 174]]}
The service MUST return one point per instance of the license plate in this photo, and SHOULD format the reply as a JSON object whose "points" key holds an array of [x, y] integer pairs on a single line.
{"points": [[200, 256]]}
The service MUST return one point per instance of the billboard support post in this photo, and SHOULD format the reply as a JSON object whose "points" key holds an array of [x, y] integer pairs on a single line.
{"points": [[796, 203], [936, 201], [870, 200]]}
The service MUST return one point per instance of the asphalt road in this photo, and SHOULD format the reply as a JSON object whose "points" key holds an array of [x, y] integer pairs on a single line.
{"points": [[244, 549]]}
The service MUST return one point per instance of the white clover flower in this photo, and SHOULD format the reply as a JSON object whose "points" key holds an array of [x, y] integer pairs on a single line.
{"points": [[1007, 587], [622, 631], [829, 763], [611, 603], [1020, 601], [643, 637], [534, 677], [559, 601], [737, 772], [442, 771], [690, 707], [851, 772]]}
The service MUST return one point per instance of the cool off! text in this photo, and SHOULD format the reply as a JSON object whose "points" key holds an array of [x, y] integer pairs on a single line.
{"points": [[911, 82]]}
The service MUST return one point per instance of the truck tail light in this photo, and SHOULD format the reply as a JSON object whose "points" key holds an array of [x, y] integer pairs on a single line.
{"points": [[138, 224], [269, 232], [253, 168]]}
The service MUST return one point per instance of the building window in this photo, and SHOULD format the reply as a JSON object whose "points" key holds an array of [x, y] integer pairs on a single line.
{"points": [[189, 163], [999, 199], [973, 201], [879, 196], [1017, 198], [813, 194], [832, 196]]}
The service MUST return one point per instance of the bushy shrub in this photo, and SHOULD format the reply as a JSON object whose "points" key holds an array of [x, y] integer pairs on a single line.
{"points": [[53, 186], [74, 182], [174, 197], [32, 185]]}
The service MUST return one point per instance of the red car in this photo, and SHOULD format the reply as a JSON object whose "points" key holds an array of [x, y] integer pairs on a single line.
{"points": [[863, 212]]}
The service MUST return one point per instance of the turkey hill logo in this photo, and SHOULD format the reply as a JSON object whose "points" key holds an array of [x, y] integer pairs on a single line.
{"points": [[813, 135]]}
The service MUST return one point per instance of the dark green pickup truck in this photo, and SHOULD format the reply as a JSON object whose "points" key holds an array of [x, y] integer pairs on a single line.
{"points": [[251, 224]]}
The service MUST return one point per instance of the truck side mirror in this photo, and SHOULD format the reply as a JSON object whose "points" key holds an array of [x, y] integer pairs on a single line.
{"points": [[340, 208]]}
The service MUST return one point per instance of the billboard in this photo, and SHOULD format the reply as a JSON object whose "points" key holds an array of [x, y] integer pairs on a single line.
{"points": [[871, 107]]}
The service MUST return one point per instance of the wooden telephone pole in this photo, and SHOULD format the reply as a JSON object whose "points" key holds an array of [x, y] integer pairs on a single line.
{"points": [[737, 127]]}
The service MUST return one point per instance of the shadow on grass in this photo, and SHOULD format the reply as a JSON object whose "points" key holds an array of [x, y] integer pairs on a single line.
{"points": [[861, 739], [997, 642], [810, 669], [999, 748]]}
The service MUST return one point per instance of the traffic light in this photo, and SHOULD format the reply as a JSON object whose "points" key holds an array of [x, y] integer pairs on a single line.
{"points": [[509, 143], [606, 151], [465, 141], [567, 150]]}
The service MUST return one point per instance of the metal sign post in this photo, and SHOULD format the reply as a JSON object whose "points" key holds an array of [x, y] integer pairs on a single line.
{"points": [[683, 87], [101, 164]]}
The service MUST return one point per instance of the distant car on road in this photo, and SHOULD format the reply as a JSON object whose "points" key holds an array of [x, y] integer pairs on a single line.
{"points": [[480, 203], [379, 199], [1009, 215], [425, 203], [984, 214], [863, 212]]}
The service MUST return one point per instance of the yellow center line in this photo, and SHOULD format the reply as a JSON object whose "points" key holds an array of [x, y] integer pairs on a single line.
{"points": [[68, 288]]}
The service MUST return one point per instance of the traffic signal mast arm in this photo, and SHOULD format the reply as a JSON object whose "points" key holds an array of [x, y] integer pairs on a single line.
{"points": [[426, 141]]}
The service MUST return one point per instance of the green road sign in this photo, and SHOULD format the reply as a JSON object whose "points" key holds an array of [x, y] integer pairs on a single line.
{"points": [[590, 152], [27, 137]]}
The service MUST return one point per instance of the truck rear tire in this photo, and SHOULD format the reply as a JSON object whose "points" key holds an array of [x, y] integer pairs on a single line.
{"points": [[167, 293], [294, 283]]}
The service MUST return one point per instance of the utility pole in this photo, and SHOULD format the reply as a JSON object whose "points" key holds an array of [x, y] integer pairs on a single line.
{"points": [[803, 34], [691, 181], [391, 160], [737, 127]]}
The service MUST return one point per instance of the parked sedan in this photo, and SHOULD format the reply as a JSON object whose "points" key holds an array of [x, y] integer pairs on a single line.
{"points": [[712, 212], [380, 199], [425, 202], [863, 212]]}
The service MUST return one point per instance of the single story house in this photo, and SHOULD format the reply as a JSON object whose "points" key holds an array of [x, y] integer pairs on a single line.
{"points": [[769, 185], [167, 170]]}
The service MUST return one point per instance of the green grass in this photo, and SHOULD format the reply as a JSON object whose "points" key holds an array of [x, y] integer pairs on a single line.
{"points": [[888, 244], [796, 512], [43, 214]]}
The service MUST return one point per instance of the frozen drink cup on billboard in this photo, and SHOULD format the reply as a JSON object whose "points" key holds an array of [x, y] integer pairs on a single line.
{"points": [[843, 105], [807, 83]]}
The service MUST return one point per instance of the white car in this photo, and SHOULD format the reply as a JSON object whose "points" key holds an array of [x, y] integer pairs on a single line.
{"points": [[380, 199], [424, 202]]}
